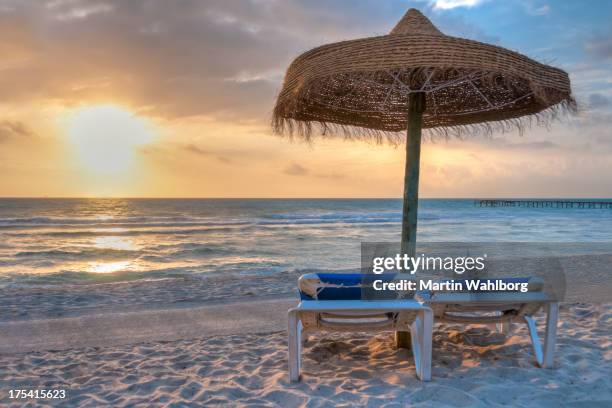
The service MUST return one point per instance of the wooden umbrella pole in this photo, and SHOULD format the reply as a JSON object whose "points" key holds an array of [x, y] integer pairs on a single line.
{"points": [[416, 106]]}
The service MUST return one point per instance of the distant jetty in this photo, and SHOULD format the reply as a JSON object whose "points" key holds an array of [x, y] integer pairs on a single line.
{"points": [[544, 203]]}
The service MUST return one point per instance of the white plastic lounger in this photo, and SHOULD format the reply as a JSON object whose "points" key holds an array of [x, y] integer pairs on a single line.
{"points": [[502, 309], [332, 302]]}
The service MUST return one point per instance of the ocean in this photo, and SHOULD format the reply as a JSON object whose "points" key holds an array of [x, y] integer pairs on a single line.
{"points": [[65, 246]]}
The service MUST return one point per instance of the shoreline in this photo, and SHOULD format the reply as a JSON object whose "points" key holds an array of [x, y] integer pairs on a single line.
{"points": [[36, 303], [574, 278]]}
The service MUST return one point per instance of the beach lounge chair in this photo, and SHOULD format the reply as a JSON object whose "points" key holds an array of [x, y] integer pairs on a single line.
{"points": [[333, 302], [502, 309]]}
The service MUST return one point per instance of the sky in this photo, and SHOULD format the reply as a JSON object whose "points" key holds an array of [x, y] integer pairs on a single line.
{"points": [[155, 98]]}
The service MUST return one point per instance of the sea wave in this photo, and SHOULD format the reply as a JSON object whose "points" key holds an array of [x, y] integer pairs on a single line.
{"points": [[169, 222], [73, 254], [67, 278], [33, 222], [95, 232]]}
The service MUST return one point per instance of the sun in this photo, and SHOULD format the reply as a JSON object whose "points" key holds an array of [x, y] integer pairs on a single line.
{"points": [[105, 138]]}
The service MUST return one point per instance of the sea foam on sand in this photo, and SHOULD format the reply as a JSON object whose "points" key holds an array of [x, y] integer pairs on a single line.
{"points": [[350, 369]]}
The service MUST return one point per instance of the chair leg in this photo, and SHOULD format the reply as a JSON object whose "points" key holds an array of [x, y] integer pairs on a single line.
{"points": [[294, 346], [550, 340], [421, 334], [504, 328], [415, 331], [426, 344], [545, 357], [535, 340]]}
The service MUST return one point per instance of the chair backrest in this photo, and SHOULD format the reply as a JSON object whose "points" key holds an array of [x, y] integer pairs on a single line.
{"points": [[326, 287]]}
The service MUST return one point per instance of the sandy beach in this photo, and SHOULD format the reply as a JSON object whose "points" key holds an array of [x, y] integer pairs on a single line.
{"points": [[472, 366]]}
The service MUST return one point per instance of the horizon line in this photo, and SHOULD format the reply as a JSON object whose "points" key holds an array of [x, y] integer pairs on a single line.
{"points": [[302, 198]]}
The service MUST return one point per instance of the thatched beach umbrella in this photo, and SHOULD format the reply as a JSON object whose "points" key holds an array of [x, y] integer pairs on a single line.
{"points": [[411, 79]]}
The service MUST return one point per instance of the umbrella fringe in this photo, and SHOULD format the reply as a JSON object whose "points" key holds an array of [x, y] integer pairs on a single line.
{"points": [[308, 130]]}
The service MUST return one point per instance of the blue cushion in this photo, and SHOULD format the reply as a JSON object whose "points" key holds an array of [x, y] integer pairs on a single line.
{"points": [[354, 284]]}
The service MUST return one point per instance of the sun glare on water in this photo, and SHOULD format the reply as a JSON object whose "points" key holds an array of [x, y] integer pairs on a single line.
{"points": [[105, 138], [108, 267], [111, 242]]}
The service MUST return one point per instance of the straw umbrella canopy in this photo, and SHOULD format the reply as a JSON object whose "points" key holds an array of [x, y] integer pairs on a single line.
{"points": [[366, 83], [416, 78]]}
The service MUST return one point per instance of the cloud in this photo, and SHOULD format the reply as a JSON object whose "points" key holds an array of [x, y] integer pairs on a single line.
{"points": [[183, 59], [13, 130], [75, 9], [534, 10], [538, 145], [203, 152], [451, 4], [216, 58], [458, 26], [597, 100], [600, 46], [170, 150], [295, 169], [245, 76]]}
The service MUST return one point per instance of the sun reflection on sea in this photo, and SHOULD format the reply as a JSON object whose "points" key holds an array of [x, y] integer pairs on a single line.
{"points": [[115, 242], [109, 267], [113, 230]]}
